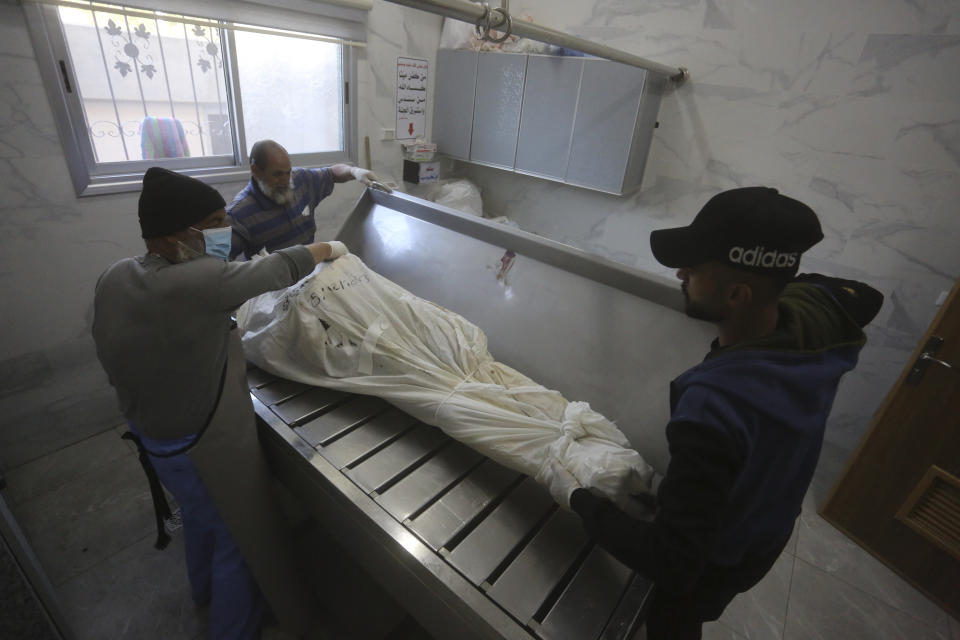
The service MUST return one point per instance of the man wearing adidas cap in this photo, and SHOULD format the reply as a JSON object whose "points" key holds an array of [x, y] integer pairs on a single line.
{"points": [[747, 423]]}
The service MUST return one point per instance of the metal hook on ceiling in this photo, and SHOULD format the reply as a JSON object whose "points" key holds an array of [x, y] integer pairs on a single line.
{"points": [[485, 24], [468, 12]]}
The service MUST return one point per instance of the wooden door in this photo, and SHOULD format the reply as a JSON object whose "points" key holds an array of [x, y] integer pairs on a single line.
{"points": [[899, 497]]}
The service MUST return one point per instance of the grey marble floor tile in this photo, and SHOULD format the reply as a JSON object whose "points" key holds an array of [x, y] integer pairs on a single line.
{"points": [[139, 593], [955, 628], [759, 614], [833, 461], [791, 547], [822, 607], [719, 631], [823, 546], [52, 471], [88, 519], [121, 429]]}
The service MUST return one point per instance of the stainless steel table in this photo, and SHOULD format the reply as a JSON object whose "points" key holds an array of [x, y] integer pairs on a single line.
{"points": [[470, 548]]}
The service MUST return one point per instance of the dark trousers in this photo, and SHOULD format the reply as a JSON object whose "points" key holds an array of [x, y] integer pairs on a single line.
{"points": [[675, 616], [219, 576]]}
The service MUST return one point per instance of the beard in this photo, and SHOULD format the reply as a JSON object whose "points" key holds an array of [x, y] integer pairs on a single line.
{"points": [[699, 310], [282, 195]]}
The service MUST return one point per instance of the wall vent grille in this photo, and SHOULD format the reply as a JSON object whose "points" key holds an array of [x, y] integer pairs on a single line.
{"points": [[933, 510]]}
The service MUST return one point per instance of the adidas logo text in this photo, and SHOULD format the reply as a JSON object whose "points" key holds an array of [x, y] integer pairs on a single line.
{"points": [[757, 257]]}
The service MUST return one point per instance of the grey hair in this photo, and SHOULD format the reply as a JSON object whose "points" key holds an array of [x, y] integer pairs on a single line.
{"points": [[261, 149]]}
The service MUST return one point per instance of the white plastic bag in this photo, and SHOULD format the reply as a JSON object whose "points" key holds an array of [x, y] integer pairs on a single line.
{"points": [[348, 328], [457, 34], [456, 193]]}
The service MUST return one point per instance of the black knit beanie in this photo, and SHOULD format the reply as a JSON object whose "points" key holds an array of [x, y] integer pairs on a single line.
{"points": [[171, 202]]}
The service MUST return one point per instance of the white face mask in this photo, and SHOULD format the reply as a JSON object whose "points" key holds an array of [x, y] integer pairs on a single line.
{"points": [[217, 241]]}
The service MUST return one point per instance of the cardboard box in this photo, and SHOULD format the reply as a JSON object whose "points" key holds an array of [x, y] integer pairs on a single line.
{"points": [[419, 151], [418, 172]]}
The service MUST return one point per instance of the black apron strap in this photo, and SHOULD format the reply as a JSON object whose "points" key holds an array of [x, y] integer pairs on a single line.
{"points": [[161, 509]]}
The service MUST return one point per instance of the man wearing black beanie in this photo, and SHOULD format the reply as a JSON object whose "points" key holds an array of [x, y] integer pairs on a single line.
{"points": [[747, 423], [164, 335]]}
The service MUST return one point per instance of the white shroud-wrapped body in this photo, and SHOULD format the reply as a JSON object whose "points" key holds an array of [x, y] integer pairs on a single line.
{"points": [[346, 327]]}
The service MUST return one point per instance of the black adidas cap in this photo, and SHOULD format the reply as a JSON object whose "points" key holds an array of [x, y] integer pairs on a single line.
{"points": [[752, 228]]}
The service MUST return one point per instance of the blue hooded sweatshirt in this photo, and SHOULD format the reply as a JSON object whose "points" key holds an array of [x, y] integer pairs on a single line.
{"points": [[770, 399], [745, 433]]}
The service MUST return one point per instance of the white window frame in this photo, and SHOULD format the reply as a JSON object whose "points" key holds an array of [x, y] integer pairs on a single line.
{"points": [[93, 178]]}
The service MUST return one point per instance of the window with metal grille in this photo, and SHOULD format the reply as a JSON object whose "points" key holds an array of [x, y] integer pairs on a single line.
{"points": [[135, 88]]}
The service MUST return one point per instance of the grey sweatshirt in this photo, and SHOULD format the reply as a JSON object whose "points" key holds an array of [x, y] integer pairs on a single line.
{"points": [[161, 331]]}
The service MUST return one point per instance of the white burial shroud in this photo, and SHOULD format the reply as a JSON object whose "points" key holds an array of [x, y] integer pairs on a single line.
{"points": [[346, 327]]}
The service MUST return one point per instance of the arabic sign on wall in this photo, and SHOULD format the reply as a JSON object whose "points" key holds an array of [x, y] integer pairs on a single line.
{"points": [[411, 98]]}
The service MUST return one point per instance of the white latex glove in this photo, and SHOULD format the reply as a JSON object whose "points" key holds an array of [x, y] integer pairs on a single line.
{"points": [[369, 179], [337, 249], [559, 482]]}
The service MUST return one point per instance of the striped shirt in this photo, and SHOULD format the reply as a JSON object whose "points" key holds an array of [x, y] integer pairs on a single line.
{"points": [[260, 222]]}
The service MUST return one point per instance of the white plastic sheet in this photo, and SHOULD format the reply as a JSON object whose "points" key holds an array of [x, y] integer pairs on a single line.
{"points": [[348, 328]]}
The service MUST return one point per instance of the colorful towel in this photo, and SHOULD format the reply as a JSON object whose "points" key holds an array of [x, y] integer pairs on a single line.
{"points": [[163, 138]]}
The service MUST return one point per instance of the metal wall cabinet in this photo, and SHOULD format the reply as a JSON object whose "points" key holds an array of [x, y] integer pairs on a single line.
{"points": [[453, 111], [552, 86], [607, 125], [496, 111], [583, 121]]}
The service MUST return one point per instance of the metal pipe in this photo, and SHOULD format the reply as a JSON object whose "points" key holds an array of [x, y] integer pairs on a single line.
{"points": [[470, 12]]}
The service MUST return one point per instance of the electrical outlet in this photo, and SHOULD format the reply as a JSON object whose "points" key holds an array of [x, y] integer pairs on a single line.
{"points": [[388, 134]]}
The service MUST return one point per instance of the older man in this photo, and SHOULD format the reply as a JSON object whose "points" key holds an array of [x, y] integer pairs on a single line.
{"points": [[747, 423], [275, 210], [164, 335]]}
